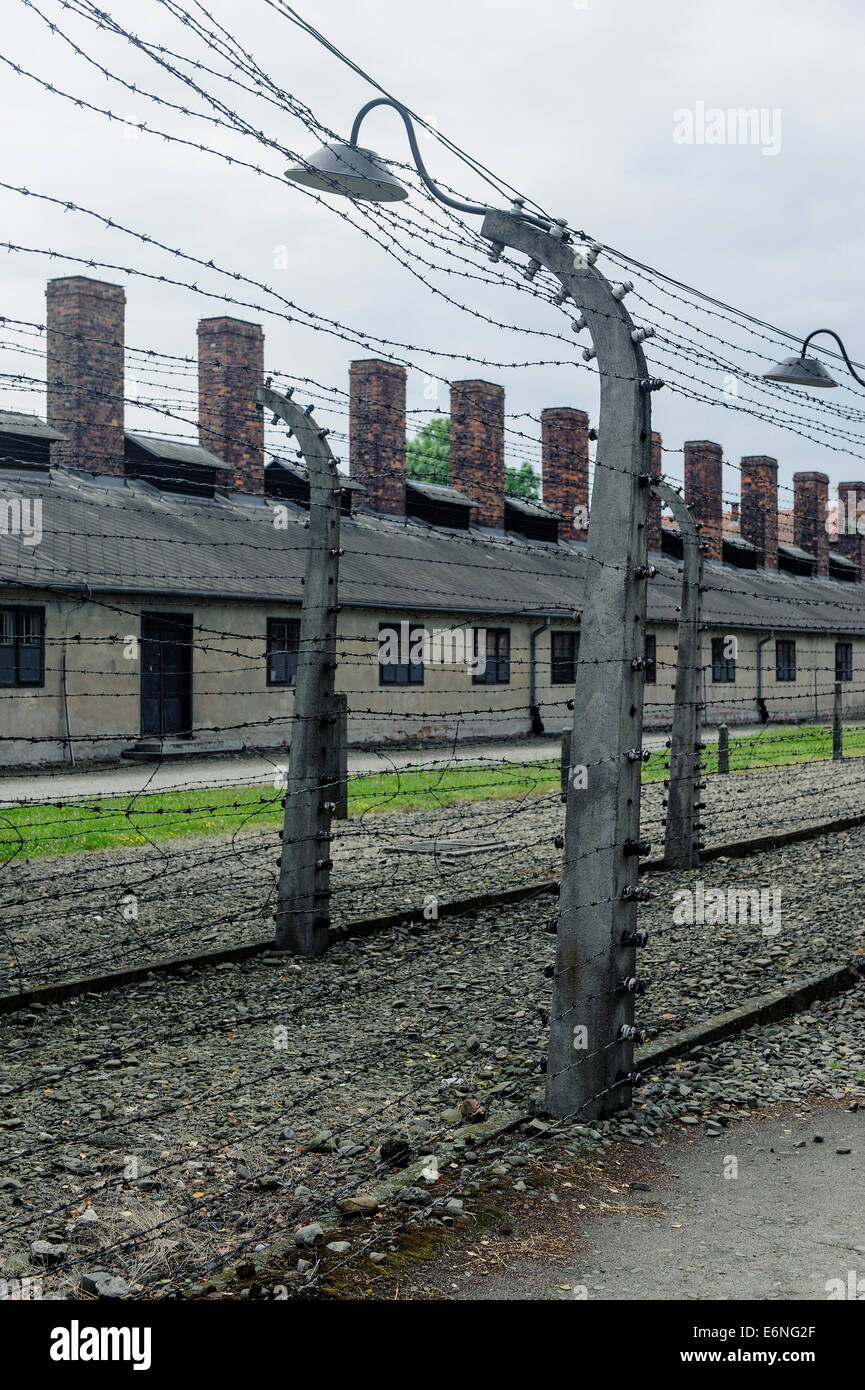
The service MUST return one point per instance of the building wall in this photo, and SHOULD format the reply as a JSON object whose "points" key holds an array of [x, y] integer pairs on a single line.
{"points": [[234, 708]]}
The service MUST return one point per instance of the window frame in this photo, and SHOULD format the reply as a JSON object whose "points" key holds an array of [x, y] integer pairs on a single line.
{"points": [[19, 641], [650, 654], [272, 651], [723, 667], [785, 667], [492, 674], [844, 672], [401, 675], [558, 662]]}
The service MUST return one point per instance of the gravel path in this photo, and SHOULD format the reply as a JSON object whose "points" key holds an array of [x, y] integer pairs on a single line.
{"points": [[71, 916], [224, 1106]]}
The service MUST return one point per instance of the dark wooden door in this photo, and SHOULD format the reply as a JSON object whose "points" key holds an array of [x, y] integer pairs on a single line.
{"points": [[166, 675]]}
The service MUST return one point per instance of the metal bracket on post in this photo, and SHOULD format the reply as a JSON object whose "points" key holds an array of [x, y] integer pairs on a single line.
{"points": [[590, 1060], [302, 912], [681, 850]]}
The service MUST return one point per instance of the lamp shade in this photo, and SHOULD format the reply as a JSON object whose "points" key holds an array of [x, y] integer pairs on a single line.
{"points": [[800, 371], [351, 172]]}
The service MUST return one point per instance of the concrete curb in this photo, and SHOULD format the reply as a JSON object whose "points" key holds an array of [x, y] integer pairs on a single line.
{"points": [[762, 1008]]}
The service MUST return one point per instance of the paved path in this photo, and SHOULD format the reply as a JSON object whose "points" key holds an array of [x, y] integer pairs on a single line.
{"points": [[130, 778], [793, 1219]]}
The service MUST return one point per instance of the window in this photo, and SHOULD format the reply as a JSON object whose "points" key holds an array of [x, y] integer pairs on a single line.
{"points": [[22, 646], [843, 661], [564, 653], [651, 675], [283, 644], [785, 661], [723, 666], [400, 654], [492, 651]]}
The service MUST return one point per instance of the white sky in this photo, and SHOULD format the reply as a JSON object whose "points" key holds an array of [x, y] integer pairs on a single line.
{"points": [[575, 106]]}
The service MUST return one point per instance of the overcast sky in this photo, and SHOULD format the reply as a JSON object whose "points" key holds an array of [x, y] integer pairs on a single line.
{"points": [[577, 105]]}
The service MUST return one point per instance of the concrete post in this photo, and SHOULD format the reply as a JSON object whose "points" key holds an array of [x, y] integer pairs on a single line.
{"points": [[837, 726], [680, 841], [302, 915], [339, 791], [566, 761], [590, 1058], [723, 748]]}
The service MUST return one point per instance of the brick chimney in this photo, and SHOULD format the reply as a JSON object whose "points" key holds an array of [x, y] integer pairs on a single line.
{"points": [[377, 433], [759, 520], [810, 495], [656, 468], [565, 466], [84, 369], [703, 490], [478, 447], [851, 516], [230, 425]]}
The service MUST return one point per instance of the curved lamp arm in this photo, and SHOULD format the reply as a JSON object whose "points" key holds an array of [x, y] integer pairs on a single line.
{"points": [[833, 334], [434, 189]]}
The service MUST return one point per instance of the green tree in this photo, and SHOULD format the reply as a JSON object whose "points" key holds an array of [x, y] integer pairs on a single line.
{"points": [[523, 482], [427, 458]]}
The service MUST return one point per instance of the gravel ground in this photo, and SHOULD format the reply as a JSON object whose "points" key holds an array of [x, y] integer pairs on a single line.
{"points": [[69, 916], [195, 1116]]}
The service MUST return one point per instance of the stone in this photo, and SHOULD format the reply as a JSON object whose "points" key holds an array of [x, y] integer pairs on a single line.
{"points": [[395, 1151], [473, 1111], [339, 1247], [362, 1204], [308, 1235], [104, 1285], [47, 1254]]}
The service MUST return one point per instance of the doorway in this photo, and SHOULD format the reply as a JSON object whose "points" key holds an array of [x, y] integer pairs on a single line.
{"points": [[166, 675]]}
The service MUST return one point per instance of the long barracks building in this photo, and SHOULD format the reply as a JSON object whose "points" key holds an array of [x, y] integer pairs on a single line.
{"points": [[150, 590]]}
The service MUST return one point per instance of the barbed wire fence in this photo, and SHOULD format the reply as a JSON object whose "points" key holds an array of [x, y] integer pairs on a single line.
{"points": [[190, 1128]]}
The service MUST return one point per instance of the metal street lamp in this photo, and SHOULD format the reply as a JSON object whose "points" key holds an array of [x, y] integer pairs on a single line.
{"points": [[351, 171], [592, 1033], [809, 371]]}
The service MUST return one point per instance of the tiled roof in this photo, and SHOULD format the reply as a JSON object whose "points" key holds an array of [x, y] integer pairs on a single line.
{"points": [[110, 535]]}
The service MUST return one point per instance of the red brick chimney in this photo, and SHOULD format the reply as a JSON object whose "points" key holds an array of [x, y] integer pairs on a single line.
{"points": [[230, 424], [810, 495], [759, 519], [656, 468], [377, 433], [565, 466], [478, 447], [703, 490], [851, 516], [84, 369]]}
